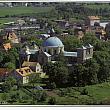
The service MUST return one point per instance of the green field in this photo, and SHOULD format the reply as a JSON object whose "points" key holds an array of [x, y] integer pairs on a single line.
{"points": [[96, 94], [10, 11], [95, 6], [22, 10]]}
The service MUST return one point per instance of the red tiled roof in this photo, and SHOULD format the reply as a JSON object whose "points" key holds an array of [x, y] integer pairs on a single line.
{"points": [[7, 46], [24, 71], [4, 71]]}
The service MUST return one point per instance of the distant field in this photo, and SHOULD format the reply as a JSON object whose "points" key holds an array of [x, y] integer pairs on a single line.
{"points": [[95, 6], [4, 11], [22, 10]]}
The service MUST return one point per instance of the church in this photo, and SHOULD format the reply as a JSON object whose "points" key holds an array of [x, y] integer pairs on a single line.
{"points": [[53, 47]]}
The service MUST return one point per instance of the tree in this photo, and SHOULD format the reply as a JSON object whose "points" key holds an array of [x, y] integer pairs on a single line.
{"points": [[53, 85], [84, 74], [34, 78], [104, 72], [77, 75], [8, 84], [62, 58], [90, 38], [92, 69], [101, 56], [4, 97], [14, 52], [71, 43], [10, 65], [1, 57], [57, 72], [36, 40]]}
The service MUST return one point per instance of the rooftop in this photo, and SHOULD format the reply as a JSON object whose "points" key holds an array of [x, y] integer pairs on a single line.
{"points": [[53, 42], [93, 17], [73, 54], [25, 71], [7, 46], [11, 35], [27, 64], [47, 54], [4, 71]]}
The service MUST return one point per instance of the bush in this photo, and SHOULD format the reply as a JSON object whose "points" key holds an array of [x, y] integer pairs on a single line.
{"points": [[42, 96], [52, 101], [62, 92], [53, 85], [84, 92]]}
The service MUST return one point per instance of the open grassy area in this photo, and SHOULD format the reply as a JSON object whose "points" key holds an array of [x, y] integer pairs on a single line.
{"points": [[71, 96], [96, 94], [10, 11], [22, 10], [99, 91], [95, 6]]}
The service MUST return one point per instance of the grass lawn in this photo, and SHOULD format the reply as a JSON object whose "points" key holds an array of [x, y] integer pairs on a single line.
{"points": [[72, 96], [99, 91], [22, 10], [96, 94]]}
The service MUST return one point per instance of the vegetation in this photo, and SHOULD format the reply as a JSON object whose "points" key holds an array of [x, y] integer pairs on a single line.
{"points": [[13, 11], [86, 83]]}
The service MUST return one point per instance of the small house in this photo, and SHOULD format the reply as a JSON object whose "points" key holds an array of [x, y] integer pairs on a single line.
{"points": [[34, 66], [22, 74], [91, 20]]}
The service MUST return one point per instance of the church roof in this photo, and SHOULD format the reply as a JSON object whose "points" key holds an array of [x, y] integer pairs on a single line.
{"points": [[53, 42], [47, 54], [73, 54]]}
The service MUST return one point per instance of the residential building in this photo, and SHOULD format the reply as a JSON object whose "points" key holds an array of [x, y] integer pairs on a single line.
{"points": [[34, 66], [100, 33], [12, 37], [91, 20], [22, 74], [20, 22]]}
